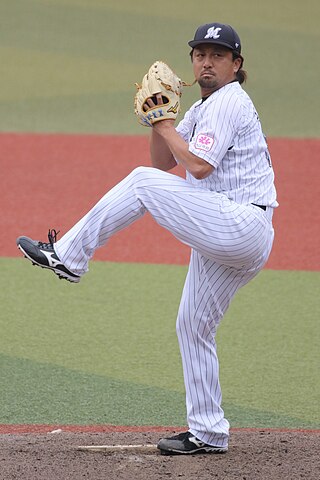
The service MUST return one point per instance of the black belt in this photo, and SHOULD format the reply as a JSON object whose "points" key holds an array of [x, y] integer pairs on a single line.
{"points": [[260, 206]]}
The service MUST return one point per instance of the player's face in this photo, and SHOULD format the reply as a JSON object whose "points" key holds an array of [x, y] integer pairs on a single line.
{"points": [[213, 67]]}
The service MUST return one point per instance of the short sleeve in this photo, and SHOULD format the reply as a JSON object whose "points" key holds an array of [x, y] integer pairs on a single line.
{"points": [[216, 128]]}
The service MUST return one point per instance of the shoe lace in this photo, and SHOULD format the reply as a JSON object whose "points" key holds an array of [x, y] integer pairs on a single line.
{"points": [[52, 236]]}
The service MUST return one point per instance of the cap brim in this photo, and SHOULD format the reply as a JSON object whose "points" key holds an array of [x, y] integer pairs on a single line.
{"points": [[195, 43]]}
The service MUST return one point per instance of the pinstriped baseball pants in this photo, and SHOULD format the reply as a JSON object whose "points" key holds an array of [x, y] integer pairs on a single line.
{"points": [[230, 244]]}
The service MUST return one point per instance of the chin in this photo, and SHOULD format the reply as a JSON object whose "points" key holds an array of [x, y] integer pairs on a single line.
{"points": [[208, 84]]}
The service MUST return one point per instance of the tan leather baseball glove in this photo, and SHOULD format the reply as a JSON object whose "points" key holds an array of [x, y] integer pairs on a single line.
{"points": [[160, 80]]}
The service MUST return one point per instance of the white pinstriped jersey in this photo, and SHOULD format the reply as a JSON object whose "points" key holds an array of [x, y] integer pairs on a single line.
{"points": [[225, 131]]}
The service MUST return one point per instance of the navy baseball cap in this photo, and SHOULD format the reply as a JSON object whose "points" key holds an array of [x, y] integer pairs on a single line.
{"points": [[217, 33]]}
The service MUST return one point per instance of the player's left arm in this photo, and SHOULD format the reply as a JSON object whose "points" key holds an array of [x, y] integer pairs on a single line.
{"points": [[195, 165], [161, 155]]}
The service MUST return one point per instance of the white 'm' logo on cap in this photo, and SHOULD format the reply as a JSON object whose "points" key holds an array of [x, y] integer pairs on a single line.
{"points": [[213, 32]]}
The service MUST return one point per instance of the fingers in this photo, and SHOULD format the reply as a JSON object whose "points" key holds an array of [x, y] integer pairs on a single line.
{"points": [[159, 99], [152, 102]]}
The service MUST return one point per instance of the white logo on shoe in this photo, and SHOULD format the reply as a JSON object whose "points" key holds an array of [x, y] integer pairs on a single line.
{"points": [[51, 261], [213, 32], [197, 442]]}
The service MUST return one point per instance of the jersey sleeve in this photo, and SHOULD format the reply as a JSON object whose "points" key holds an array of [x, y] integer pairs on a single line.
{"points": [[216, 128]]}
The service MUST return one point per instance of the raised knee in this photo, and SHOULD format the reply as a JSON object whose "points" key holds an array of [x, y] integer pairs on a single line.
{"points": [[142, 171], [144, 177]]}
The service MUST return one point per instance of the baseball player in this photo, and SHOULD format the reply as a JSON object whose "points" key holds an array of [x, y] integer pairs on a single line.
{"points": [[222, 209]]}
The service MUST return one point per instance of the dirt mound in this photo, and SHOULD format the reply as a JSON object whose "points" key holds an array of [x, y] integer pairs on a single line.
{"points": [[252, 455]]}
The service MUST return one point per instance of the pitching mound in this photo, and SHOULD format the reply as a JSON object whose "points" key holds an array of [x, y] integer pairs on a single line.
{"points": [[252, 455]]}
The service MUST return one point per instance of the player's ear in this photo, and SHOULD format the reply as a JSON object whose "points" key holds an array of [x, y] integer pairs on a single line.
{"points": [[237, 61], [237, 64]]}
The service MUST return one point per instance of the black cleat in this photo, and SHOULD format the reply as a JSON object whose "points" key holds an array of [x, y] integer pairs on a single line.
{"points": [[186, 444], [44, 255]]}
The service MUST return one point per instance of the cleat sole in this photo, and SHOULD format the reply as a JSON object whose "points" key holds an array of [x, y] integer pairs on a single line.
{"points": [[61, 275]]}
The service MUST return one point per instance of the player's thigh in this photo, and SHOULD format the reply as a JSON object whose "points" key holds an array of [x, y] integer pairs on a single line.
{"points": [[207, 293], [219, 229]]}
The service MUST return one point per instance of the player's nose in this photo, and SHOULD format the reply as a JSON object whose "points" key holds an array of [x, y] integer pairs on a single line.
{"points": [[207, 62]]}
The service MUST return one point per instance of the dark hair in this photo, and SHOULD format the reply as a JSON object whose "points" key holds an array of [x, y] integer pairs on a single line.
{"points": [[241, 74]]}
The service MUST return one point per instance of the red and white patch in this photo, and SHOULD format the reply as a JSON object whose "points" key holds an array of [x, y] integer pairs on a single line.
{"points": [[204, 142]]}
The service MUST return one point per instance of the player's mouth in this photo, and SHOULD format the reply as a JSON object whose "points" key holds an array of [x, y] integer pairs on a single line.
{"points": [[207, 73]]}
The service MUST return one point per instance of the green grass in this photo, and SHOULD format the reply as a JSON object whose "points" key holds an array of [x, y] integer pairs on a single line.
{"points": [[70, 65], [105, 351]]}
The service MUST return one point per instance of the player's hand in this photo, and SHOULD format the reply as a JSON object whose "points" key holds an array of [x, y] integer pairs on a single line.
{"points": [[153, 102], [162, 127]]}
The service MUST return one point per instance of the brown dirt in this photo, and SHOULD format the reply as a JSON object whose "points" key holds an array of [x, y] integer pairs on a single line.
{"points": [[252, 456], [52, 180]]}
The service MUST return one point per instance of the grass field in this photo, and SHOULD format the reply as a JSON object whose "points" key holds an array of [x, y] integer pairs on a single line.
{"points": [[71, 65], [105, 351]]}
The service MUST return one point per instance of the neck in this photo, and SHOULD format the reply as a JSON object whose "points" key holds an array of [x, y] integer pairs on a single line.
{"points": [[206, 92]]}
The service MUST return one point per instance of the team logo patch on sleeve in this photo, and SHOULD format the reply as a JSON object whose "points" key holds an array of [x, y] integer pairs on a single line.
{"points": [[204, 142]]}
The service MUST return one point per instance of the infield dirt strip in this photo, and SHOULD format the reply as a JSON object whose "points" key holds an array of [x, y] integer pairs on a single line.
{"points": [[50, 181]]}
